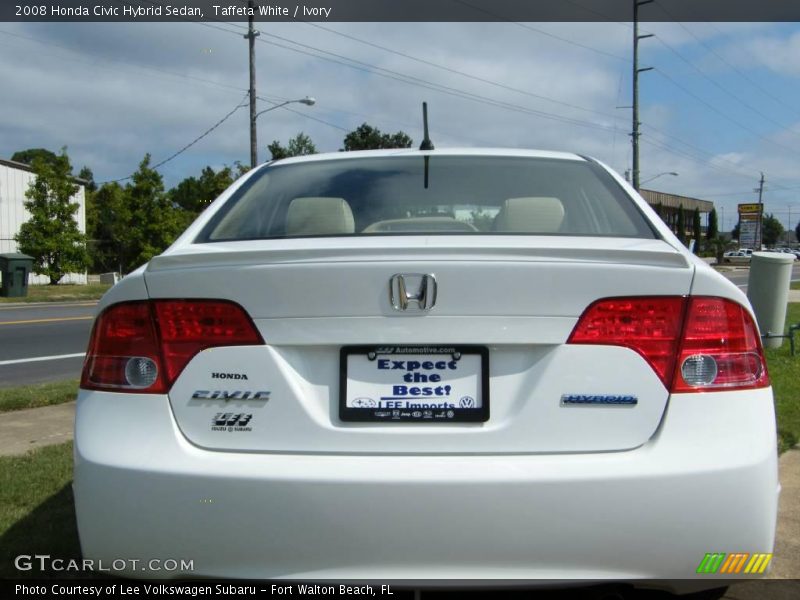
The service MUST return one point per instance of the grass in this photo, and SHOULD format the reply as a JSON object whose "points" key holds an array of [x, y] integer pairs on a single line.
{"points": [[34, 396], [61, 293], [37, 514], [795, 285], [784, 371]]}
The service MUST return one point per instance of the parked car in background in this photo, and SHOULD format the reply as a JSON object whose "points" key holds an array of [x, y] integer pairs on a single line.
{"points": [[737, 256], [461, 365]]}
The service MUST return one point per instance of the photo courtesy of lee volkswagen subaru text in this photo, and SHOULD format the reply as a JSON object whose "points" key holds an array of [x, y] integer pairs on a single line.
{"points": [[447, 364]]}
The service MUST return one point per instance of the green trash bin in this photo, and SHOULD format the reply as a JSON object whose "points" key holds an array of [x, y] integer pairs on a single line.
{"points": [[14, 269]]}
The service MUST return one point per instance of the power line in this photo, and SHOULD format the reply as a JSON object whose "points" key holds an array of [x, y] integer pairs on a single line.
{"points": [[750, 191], [722, 114], [394, 75], [453, 91], [120, 61], [190, 144], [545, 33], [501, 85], [408, 79], [721, 87], [731, 66], [457, 72], [613, 116], [685, 154], [700, 151], [307, 116], [411, 80]]}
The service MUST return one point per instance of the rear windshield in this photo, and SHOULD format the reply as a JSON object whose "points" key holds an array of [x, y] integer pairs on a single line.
{"points": [[435, 195]]}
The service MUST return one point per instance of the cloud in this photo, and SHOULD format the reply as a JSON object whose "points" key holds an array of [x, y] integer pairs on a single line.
{"points": [[776, 53], [113, 92]]}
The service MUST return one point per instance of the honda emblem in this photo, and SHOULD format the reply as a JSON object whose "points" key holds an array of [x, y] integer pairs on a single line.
{"points": [[405, 288]]}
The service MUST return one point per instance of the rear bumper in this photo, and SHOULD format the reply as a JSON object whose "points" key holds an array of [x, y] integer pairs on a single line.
{"points": [[706, 482]]}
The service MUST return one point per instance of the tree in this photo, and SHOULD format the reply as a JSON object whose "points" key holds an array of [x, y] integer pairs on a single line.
{"points": [[51, 235], [697, 230], [241, 169], [88, 178], [659, 208], [719, 246], [31, 154], [107, 219], [366, 137], [681, 233], [299, 145], [713, 228], [193, 195], [131, 224], [797, 232], [771, 230], [735, 230], [154, 221]]}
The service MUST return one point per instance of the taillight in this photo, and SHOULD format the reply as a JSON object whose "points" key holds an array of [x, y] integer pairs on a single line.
{"points": [[144, 346], [720, 348], [693, 344], [650, 326]]}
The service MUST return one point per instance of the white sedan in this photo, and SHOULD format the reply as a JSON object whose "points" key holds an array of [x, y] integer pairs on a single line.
{"points": [[462, 365]]}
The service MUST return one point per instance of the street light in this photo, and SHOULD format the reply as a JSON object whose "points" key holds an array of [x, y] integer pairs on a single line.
{"points": [[673, 173], [308, 101]]}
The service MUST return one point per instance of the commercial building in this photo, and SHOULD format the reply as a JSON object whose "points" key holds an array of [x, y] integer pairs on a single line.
{"points": [[669, 205]]}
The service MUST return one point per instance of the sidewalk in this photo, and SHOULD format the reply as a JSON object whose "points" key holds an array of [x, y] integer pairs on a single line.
{"points": [[23, 430], [786, 564]]}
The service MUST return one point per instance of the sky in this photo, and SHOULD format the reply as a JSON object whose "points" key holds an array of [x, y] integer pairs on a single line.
{"points": [[719, 107]]}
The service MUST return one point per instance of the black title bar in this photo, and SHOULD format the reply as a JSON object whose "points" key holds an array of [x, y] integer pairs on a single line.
{"points": [[398, 10]]}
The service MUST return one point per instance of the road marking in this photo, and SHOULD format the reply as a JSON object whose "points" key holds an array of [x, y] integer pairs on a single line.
{"points": [[744, 285], [39, 359], [46, 305], [54, 320]]}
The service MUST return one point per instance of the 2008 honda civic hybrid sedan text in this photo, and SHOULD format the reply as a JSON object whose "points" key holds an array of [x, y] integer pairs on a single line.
{"points": [[451, 364]]}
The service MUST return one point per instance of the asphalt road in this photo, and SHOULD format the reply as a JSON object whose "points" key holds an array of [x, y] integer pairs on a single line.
{"points": [[740, 276], [40, 331], [56, 332]]}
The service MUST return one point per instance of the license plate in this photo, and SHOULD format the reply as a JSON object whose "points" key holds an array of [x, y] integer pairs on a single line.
{"points": [[417, 384]]}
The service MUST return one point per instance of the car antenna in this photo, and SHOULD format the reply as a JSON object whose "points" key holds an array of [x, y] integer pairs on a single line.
{"points": [[426, 144]]}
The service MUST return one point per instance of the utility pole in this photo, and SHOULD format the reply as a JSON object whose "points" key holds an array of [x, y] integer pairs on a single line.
{"points": [[759, 232], [636, 70], [250, 36]]}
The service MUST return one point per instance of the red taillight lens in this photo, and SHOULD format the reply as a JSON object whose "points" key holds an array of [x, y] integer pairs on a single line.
{"points": [[122, 334], [720, 348], [693, 344], [187, 327], [650, 326], [144, 346]]}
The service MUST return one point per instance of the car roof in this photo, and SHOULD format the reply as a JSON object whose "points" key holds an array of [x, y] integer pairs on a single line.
{"points": [[509, 152]]}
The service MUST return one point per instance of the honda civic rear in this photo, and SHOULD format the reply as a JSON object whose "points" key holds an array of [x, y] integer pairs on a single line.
{"points": [[452, 365]]}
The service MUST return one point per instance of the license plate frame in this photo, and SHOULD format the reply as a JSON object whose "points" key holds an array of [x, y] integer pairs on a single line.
{"points": [[436, 354]]}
